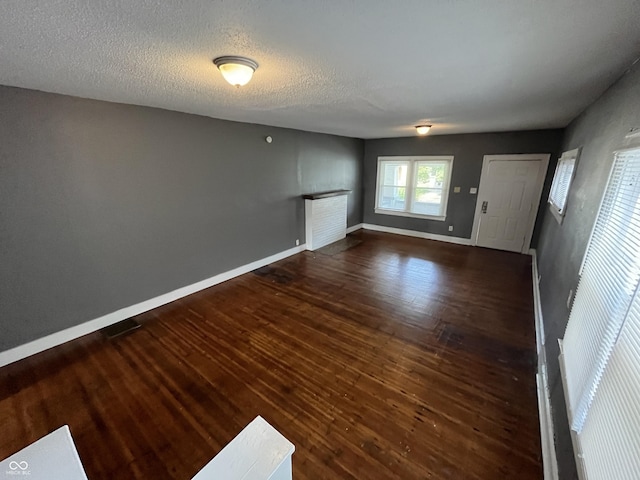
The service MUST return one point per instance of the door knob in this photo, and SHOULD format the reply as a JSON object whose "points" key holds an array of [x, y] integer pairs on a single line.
{"points": [[484, 206]]}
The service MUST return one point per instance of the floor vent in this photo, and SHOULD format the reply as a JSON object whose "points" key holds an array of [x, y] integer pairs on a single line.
{"points": [[120, 328]]}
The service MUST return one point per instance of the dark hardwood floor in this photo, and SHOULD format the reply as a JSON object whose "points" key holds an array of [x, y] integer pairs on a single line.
{"points": [[399, 358]]}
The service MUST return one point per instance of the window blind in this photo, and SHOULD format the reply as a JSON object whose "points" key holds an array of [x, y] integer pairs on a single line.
{"points": [[562, 181], [611, 436], [609, 279], [602, 339]]}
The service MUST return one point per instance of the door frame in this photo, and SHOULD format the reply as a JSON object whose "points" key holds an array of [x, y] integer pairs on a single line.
{"points": [[535, 206]]}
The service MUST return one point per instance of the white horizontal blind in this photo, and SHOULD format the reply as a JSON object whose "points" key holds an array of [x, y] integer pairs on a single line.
{"points": [[610, 439], [608, 283], [562, 181]]}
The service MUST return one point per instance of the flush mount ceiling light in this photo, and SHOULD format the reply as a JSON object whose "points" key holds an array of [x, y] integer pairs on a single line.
{"points": [[236, 70], [423, 129]]}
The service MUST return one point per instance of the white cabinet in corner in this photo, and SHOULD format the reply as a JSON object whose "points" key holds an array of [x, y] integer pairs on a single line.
{"points": [[325, 218]]}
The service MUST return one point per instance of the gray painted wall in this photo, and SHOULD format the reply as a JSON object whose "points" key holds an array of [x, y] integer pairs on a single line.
{"points": [[468, 150], [106, 205], [599, 130]]}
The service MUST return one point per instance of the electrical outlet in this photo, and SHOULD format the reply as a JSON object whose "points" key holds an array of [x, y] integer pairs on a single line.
{"points": [[473, 190], [451, 228], [297, 242], [456, 189]]}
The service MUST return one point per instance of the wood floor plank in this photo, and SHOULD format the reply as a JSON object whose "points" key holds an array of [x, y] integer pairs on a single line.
{"points": [[398, 358]]}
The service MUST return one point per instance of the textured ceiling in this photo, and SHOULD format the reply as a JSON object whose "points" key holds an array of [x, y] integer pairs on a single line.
{"points": [[361, 68]]}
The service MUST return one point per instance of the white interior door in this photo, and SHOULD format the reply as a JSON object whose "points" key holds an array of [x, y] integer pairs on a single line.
{"points": [[508, 200]]}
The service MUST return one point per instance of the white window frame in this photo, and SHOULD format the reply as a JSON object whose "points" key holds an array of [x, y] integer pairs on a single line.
{"points": [[411, 176], [565, 172]]}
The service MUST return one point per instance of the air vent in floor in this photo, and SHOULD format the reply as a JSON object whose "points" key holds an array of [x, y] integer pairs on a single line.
{"points": [[120, 328]]}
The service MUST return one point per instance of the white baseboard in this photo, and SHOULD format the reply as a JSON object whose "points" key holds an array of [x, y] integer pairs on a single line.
{"points": [[63, 336], [575, 439], [414, 233], [549, 459], [354, 228], [537, 307]]}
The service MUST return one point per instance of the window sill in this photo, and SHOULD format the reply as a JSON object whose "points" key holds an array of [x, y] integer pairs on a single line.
{"points": [[381, 211], [556, 213]]}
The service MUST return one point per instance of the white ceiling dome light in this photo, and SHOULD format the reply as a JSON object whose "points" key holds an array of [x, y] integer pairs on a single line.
{"points": [[500, 79], [236, 70], [423, 129]]}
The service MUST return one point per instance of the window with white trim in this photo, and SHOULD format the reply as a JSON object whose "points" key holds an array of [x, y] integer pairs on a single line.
{"points": [[601, 346], [562, 182], [414, 186]]}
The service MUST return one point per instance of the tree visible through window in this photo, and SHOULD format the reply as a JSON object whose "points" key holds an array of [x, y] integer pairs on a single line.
{"points": [[413, 186]]}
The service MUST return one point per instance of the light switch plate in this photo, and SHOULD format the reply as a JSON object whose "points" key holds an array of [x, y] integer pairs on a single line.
{"points": [[473, 190]]}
